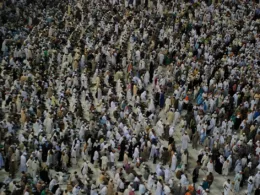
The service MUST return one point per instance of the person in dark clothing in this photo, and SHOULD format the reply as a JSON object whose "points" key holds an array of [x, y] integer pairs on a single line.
{"points": [[218, 166], [7, 160], [44, 174], [130, 150], [151, 71], [122, 150], [195, 173], [12, 169], [54, 189], [205, 184], [257, 191], [237, 122], [200, 156]]}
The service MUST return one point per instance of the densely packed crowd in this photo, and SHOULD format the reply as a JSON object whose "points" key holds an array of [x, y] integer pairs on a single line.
{"points": [[93, 94]]}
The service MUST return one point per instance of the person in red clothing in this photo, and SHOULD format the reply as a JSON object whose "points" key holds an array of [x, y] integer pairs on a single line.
{"points": [[188, 192], [132, 192]]}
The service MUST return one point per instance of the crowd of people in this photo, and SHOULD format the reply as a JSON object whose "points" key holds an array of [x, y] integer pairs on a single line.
{"points": [[93, 94]]}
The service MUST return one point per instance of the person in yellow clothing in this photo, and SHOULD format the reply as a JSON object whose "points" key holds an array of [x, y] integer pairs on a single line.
{"points": [[135, 90], [23, 116], [54, 101]]}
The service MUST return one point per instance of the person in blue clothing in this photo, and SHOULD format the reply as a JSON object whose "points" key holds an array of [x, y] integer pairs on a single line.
{"points": [[161, 100], [205, 184], [2, 163]]}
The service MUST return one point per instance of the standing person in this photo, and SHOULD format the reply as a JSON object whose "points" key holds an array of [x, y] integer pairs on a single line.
{"points": [[111, 159], [136, 154], [250, 187], [227, 187], [65, 160], [225, 168], [195, 173], [210, 166], [184, 159], [257, 179], [110, 187], [257, 191], [104, 163], [12, 168], [125, 162], [173, 162], [159, 187], [2, 163], [122, 149], [204, 161], [195, 140], [44, 173], [237, 179], [184, 141], [96, 158], [161, 100], [219, 165], [84, 168], [23, 166], [35, 167]]}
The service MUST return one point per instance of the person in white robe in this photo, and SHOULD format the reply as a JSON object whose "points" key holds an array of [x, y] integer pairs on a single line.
{"points": [[104, 160], [159, 188], [177, 116], [146, 78], [84, 168], [184, 141], [166, 190], [52, 183], [167, 104], [129, 93], [159, 128], [227, 187], [250, 186], [29, 165], [184, 181], [103, 190], [257, 179], [167, 175], [35, 168], [48, 124], [73, 156], [23, 166], [225, 168], [204, 161], [96, 158], [230, 161], [136, 154], [170, 116], [173, 162], [151, 106], [210, 166], [143, 96]]}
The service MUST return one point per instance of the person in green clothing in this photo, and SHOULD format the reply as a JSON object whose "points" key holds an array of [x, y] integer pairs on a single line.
{"points": [[46, 191], [205, 184], [167, 60], [189, 27]]}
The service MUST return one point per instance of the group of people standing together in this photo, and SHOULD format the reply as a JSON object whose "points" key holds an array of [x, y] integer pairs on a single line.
{"points": [[94, 96]]}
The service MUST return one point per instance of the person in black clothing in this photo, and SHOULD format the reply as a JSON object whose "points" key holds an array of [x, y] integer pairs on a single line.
{"points": [[195, 174], [44, 174], [257, 191], [122, 150], [218, 166], [130, 150]]}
